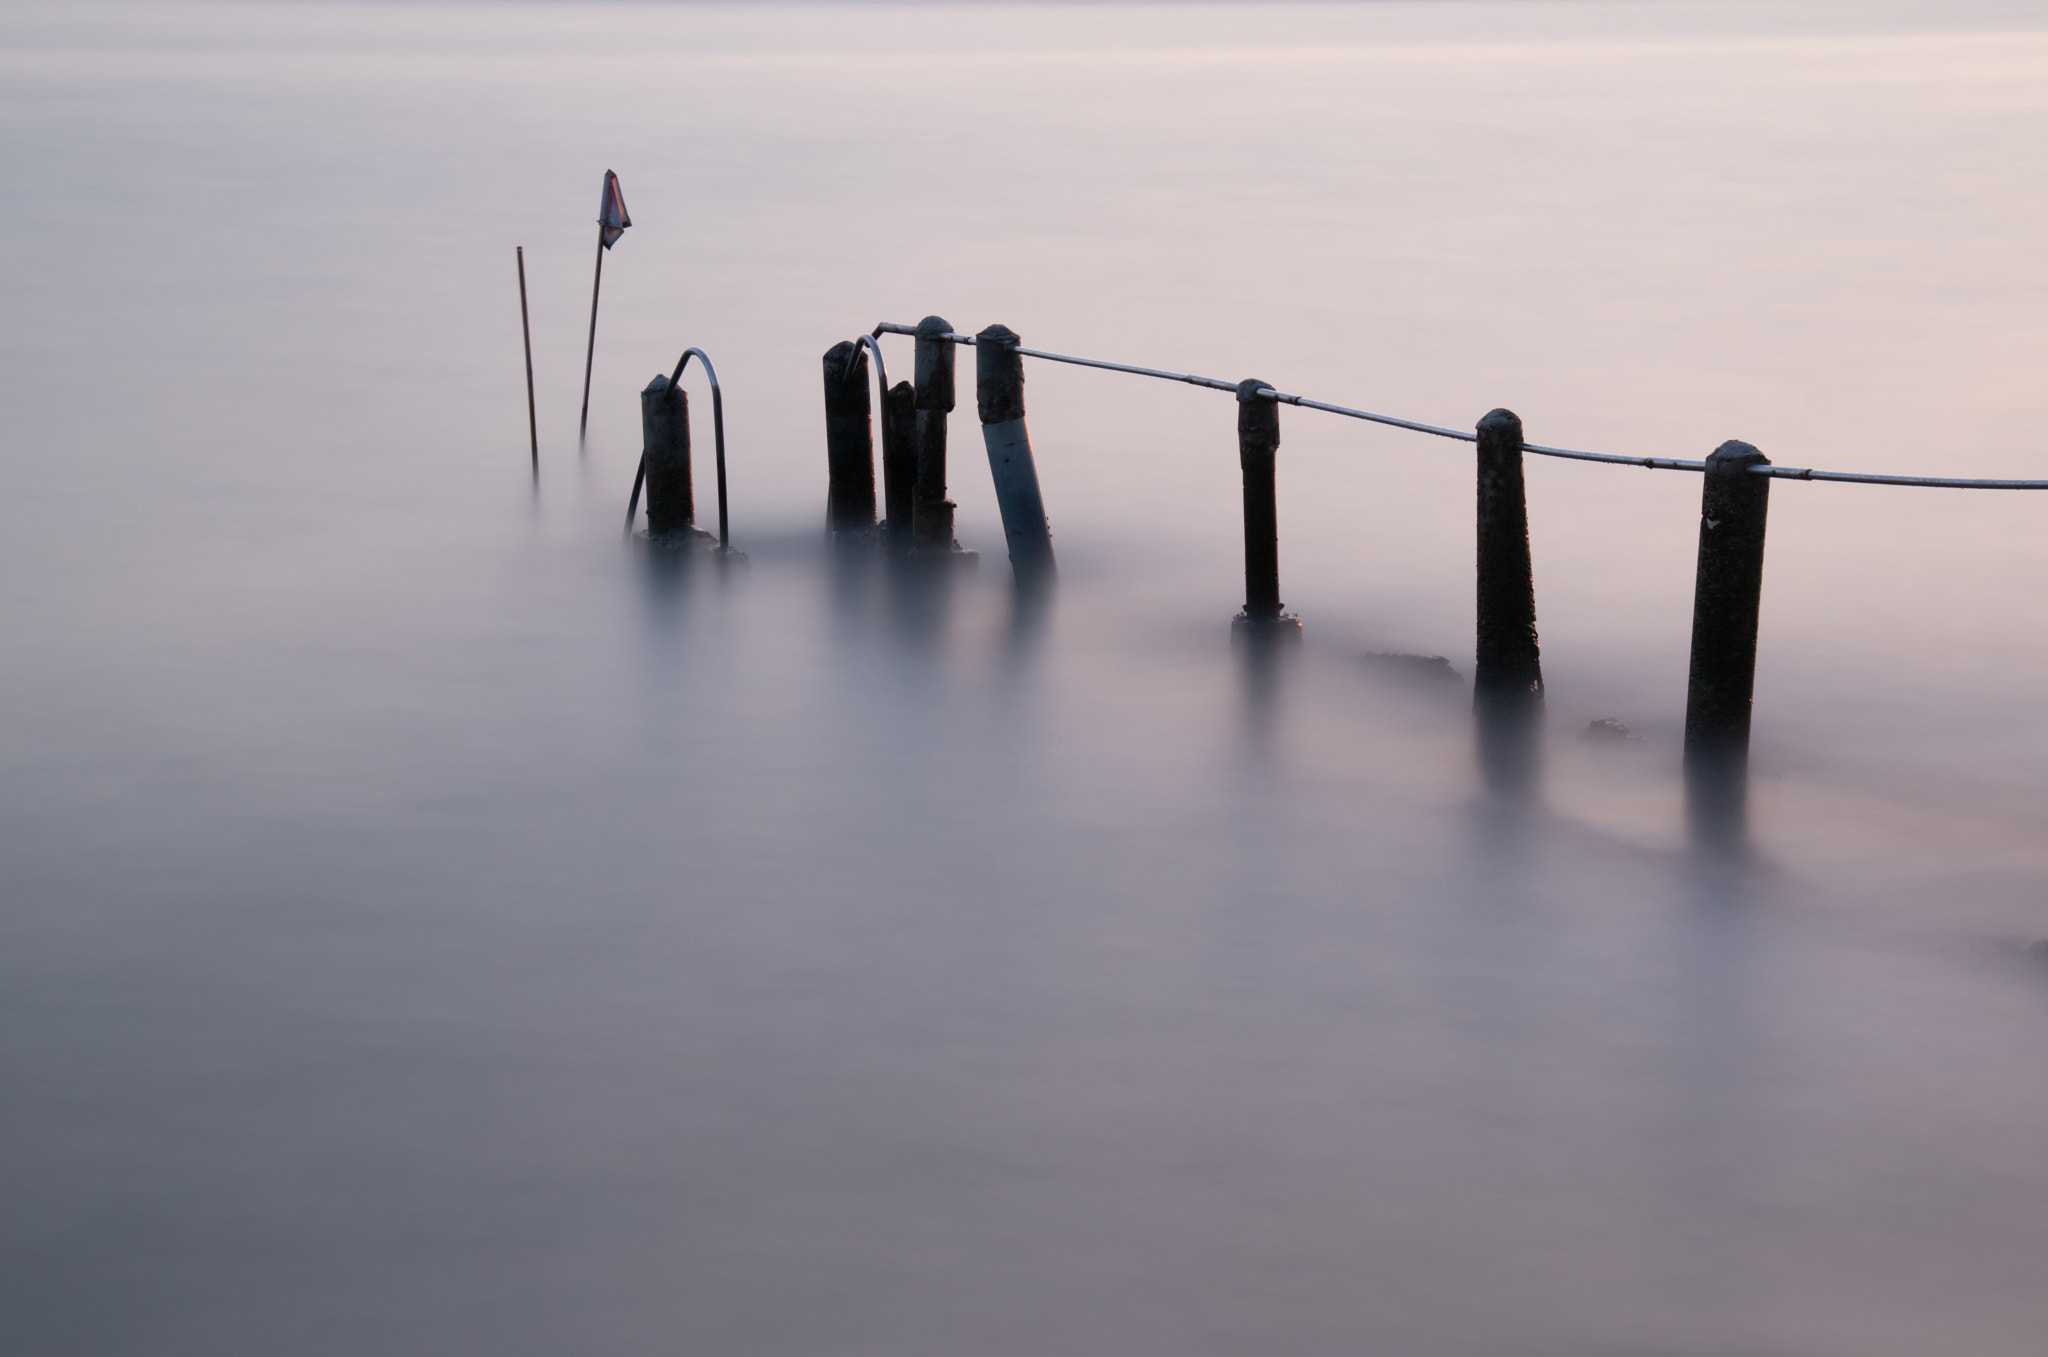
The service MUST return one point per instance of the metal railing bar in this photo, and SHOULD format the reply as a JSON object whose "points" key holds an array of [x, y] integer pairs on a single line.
{"points": [[717, 443], [717, 426]]}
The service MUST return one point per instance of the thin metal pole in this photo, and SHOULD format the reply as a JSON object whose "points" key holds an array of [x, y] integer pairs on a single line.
{"points": [[526, 329], [590, 350], [718, 451]]}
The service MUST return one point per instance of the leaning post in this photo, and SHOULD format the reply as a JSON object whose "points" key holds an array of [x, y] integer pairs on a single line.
{"points": [[1727, 595], [665, 455], [999, 397], [932, 511], [1258, 447], [849, 440]]}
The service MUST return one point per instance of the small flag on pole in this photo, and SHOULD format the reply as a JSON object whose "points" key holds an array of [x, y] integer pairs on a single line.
{"points": [[611, 212], [612, 222]]}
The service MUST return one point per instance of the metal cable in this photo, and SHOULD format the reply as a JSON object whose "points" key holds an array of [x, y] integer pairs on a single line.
{"points": [[1650, 463]]}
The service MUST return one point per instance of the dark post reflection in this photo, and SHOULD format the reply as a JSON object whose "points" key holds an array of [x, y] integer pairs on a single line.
{"points": [[1031, 600], [1264, 655], [1717, 802], [1508, 731]]}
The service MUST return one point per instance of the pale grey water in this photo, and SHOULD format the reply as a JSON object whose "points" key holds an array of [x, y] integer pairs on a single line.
{"points": [[427, 928]]}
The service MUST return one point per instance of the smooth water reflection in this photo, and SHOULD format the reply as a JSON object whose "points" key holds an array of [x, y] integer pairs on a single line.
{"points": [[432, 924]]}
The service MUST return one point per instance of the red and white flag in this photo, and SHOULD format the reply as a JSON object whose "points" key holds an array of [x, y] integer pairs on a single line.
{"points": [[611, 212]]}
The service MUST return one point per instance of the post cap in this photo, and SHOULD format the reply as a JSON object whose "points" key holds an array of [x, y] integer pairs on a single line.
{"points": [[1736, 454], [1502, 423], [1258, 417], [998, 375], [934, 368], [846, 379]]}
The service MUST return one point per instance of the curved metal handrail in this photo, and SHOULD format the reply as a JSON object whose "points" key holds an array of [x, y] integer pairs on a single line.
{"points": [[881, 419], [717, 443], [874, 347]]}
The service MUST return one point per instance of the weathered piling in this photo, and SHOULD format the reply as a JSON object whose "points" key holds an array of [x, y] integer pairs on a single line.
{"points": [[999, 398], [933, 512], [849, 440], [1258, 447], [1727, 595], [899, 462], [1508, 673], [1507, 681], [665, 457]]}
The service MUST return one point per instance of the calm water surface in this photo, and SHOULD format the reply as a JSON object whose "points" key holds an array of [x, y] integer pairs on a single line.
{"points": [[429, 925]]}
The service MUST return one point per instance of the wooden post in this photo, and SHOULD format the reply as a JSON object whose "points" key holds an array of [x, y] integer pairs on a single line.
{"points": [[849, 440], [1727, 595], [999, 397], [526, 332], [934, 395], [665, 457], [899, 463], [1508, 673], [1258, 447], [1507, 680]]}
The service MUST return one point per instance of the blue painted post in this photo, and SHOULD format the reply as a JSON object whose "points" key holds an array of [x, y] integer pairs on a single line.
{"points": [[999, 397]]}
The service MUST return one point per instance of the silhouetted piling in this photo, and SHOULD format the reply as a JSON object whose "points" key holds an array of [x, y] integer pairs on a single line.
{"points": [[1258, 447], [932, 510], [1508, 673], [899, 462], [999, 397], [1507, 683], [1727, 595], [849, 440], [665, 453]]}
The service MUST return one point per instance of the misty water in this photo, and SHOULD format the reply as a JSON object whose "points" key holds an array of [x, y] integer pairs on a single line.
{"points": [[432, 924]]}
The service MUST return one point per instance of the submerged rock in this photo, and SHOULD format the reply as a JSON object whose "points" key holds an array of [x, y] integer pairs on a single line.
{"points": [[1608, 730], [1413, 671]]}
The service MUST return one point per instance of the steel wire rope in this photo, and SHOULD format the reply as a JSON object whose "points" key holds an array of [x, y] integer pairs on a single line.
{"points": [[1615, 459]]}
